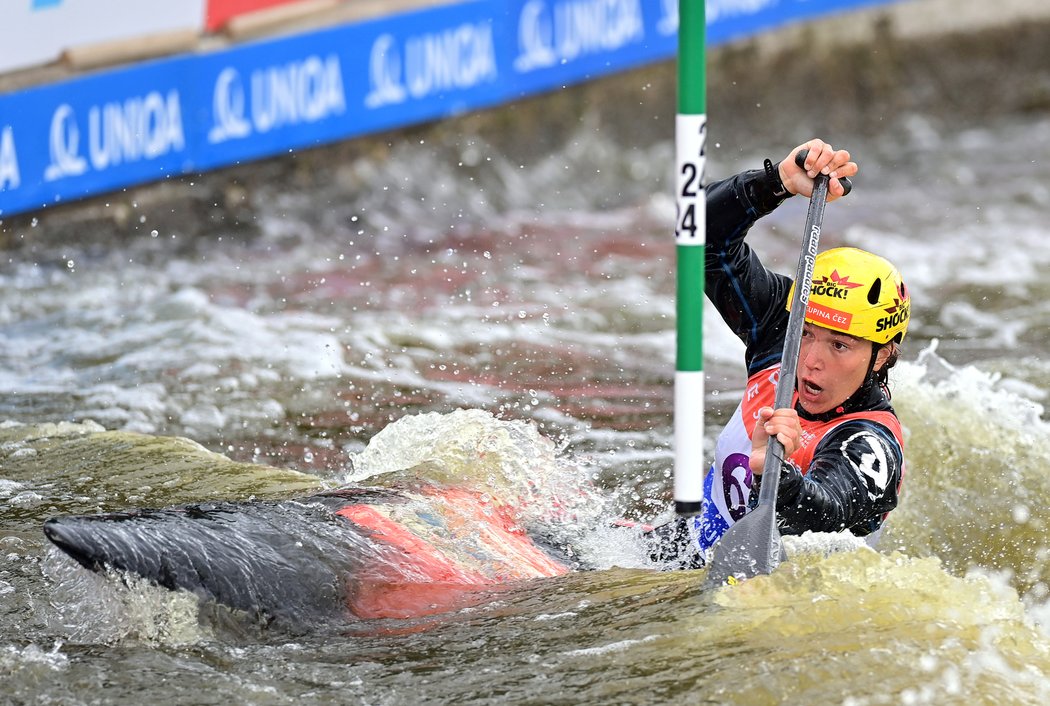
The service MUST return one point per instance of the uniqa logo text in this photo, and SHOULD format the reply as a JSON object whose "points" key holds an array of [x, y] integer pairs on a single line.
{"points": [[10, 177], [458, 58], [574, 29], [298, 92], [140, 127]]}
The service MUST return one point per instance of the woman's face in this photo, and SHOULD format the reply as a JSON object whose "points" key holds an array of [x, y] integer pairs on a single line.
{"points": [[831, 367]]}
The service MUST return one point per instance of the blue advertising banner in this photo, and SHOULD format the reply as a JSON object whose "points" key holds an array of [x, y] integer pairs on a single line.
{"points": [[74, 139], [162, 118]]}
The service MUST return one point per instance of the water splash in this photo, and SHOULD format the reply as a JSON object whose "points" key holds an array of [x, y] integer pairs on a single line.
{"points": [[90, 608], [507, 459], [950, 640], [977, 491]]}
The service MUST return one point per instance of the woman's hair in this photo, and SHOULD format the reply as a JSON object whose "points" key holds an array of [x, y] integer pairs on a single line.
{"points": [[882, 375]]}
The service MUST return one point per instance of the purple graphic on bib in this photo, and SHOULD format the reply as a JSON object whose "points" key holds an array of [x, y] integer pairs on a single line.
{"points": [[736, 484]]}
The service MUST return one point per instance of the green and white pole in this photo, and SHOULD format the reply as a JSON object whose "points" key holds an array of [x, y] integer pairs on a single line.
{"points": [[690, 239]]}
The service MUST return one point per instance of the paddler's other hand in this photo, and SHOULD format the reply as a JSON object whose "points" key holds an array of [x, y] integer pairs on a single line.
{"points": [[782, 423], [822, 159]]}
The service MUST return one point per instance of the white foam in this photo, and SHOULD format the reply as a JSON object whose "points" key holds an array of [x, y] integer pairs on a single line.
{"points": [[7, 487], [823, 543], [14, 658], [618, 646]]}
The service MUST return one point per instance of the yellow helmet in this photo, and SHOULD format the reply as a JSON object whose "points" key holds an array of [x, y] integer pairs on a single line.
{"points": [[858, 293]]}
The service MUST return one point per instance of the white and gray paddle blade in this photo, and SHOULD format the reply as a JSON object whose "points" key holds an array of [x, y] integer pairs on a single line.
{"points": [[750, 547]]}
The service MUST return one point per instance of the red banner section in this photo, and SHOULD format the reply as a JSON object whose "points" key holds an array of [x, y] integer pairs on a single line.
{"points": [[220, 11]]}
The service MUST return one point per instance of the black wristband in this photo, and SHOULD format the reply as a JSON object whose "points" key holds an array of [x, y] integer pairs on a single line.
{"points": [[776, 184]]}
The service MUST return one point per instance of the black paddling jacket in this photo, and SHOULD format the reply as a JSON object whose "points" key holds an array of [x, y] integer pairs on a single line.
{"points": [[845, 486]]}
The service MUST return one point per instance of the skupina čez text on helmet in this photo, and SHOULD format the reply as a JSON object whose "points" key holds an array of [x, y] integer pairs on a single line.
{"points": [[858, 293]]}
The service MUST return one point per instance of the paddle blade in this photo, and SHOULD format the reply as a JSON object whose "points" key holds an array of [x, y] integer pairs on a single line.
{"points": [[750, 547]]}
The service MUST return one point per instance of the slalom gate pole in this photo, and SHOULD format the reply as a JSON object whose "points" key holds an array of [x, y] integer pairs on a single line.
{"points": [[690, 239]]}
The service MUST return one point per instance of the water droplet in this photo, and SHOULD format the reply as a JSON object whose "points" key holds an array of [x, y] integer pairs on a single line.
{"points": [[522, 314], [154, 233]]}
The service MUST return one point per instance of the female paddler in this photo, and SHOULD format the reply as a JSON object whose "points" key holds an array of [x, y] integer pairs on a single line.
{"points": [[844, 457]]}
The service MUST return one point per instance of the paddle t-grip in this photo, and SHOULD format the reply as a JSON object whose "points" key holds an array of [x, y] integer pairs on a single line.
{"points": [[800, 161]]}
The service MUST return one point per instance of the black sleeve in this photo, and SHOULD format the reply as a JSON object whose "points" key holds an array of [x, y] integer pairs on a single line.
{"points": [[851, 483], [750, 298]]}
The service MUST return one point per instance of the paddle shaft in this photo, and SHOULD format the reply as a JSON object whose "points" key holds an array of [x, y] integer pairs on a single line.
{"points": [[793, 337], [752, 545]]}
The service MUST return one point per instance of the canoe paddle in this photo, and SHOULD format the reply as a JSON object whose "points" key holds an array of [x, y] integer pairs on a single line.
{"points": [[752, 545]]}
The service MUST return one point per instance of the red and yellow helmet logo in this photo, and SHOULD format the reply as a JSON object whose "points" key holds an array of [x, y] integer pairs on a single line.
{"points": [[858, 293]]}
